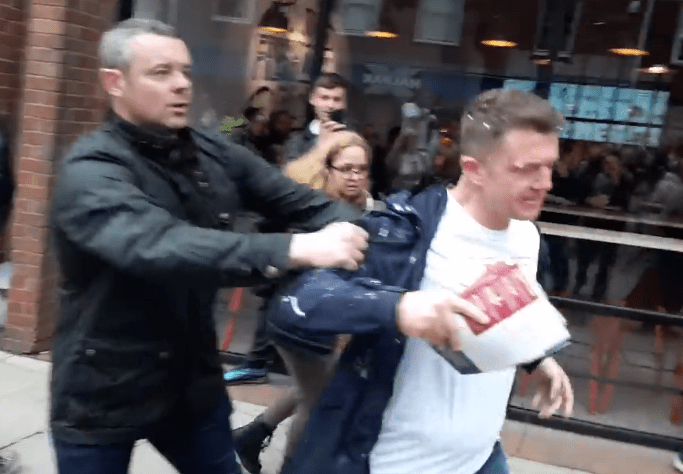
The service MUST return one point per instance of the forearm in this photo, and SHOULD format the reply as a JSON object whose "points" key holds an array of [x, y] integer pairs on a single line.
{"points": [[307, 170], [279, 197], [98, 209]]}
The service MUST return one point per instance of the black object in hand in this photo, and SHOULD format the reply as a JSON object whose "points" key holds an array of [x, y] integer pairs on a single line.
{"points": [[338, 116]]}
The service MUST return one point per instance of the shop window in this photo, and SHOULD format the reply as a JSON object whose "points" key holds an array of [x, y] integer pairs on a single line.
{"points": [[359, 16], [677, 50], [439, 21], [234, 11], [551, 14]]}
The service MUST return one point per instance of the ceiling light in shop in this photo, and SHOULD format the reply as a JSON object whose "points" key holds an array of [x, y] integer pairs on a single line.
{"points": [[381, 34], [499, 43], [629, 52], [386, 28], [274, 20], [273, 29], [657, 69]]}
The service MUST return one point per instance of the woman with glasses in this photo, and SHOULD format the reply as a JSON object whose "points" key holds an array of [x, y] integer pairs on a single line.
{"points": [[341, 170]]}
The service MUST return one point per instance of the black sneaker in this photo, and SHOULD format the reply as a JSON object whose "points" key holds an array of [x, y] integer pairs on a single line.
{"points": [[9, 463], [678, 462], [249, 441], [246, 373]]}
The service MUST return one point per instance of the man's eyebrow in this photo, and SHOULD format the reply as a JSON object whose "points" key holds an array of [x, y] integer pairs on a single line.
{"points": [[159, 64]]}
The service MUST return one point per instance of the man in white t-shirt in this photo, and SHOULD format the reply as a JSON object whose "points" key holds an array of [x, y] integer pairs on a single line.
{"points": [[396, 406]]}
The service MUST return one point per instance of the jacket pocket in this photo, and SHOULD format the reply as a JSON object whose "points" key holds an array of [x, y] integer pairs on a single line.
{"points": [[120, 385]]}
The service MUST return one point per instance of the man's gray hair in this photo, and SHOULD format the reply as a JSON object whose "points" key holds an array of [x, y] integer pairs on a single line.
{"points": [[115, 49]]}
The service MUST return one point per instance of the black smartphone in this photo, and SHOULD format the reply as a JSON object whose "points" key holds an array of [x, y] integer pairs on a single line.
{"points": [[338, 116]]}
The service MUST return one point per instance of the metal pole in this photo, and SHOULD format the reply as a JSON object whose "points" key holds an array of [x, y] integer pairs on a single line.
{"points": [[545, 73], [326, 8], [642, 39], [172, 12]]}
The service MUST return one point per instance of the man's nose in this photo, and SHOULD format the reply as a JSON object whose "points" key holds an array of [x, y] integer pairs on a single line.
{"points": [[545, 180], [182, 81]]}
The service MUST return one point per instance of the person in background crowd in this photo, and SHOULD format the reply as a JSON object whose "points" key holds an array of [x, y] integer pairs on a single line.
{"points": [[612, 188], [568, 188], [395, 406], [255, 135], [7, 184], [342, 172], [379, 176], [141, 225], [446, 162], [328, 95], [280, 128]]}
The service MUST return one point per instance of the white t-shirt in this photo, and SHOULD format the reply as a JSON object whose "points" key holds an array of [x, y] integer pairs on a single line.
{"points": [[439, 421]]}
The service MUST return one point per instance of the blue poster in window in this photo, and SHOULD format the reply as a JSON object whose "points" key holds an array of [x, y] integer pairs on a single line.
{"points": [[636, 135], [606, 103], [617, 134], [658, 109], [584, 131], [520, 84], [589, 102], [654, 135], [626, 98], [563, 98]]}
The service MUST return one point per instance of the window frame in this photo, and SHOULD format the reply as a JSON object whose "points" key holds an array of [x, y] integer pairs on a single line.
{"points": [[251, 13], [422, 10]]}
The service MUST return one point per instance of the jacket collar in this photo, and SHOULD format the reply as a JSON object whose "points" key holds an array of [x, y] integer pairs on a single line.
{"points": [[424, 208], [172, 148]]}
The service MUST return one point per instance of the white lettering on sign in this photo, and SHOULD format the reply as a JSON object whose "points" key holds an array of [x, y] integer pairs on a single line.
{"points": [[401, 82], [391, 81]]}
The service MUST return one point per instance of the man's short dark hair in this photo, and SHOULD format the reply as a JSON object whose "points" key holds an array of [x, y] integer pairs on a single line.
{"points": [[115, 49], [496, 112], [330, 80]]}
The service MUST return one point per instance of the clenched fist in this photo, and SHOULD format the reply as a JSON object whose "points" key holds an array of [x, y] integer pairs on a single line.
{"points": [[339, 245], [432, 315]]}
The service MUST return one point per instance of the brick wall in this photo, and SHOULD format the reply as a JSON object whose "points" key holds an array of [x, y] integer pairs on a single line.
{"points": [[60, 100]]}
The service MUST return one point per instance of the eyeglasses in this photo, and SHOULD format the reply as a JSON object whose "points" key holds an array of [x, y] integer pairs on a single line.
{"points": [[348, 170]]}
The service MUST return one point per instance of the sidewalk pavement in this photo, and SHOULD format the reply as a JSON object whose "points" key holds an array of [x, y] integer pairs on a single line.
{"points": [[24, 426]]}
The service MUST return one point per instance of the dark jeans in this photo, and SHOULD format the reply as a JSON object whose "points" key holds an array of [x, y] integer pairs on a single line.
{"points": [[497, 462], [587, 252], [206, 448], [559, 261]]}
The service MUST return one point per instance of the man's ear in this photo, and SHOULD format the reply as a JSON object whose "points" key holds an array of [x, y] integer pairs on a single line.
{"points": [[473, 169], [112, 81]]}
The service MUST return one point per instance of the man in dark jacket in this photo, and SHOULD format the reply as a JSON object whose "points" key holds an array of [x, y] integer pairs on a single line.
{"points": [[142, 216]]}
